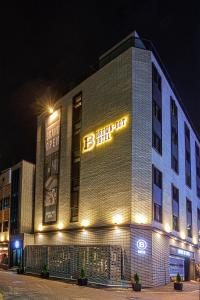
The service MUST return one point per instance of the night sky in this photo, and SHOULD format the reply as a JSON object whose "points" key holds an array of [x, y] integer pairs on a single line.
{"points": [[47, 44]]}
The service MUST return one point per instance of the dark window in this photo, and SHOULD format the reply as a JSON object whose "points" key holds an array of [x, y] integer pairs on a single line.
{"points": [[189, 217], [5, 226], [14, 214], [1, 201], [198, 223], [157, 144], [197, 155], [175, 207], [174, 136], [156, 111], [157, 194], [75, 157], [187, 157], [6, 203], [156, 77]]}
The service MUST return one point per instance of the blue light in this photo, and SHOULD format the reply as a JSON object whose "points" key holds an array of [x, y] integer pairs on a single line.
{"points": [[16, 244]]}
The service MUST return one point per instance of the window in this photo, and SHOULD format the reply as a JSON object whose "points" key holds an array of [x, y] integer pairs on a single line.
{"points": [[189, 217], [198, 223], [174, 136], [5, 226], [187, 157], [14, 213], [175, 208], [157, 142], [157, 195], [6, 203], [156, 111], [75, 157], [156, 77], [197, 155]]}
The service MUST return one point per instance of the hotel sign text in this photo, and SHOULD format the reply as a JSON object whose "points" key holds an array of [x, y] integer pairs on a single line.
{"points": [[102, 135]]}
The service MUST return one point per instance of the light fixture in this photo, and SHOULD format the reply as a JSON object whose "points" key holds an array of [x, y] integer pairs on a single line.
{"points": [[84, 231], [117, 229], [60, 225], [85, 223], [140, 219], [182, 235], [117, 219], [40, 227], [50, 109], [17, 244], [167, 228]]}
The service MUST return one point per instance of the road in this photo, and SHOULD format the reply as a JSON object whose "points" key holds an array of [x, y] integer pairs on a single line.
{"points": [[26, 287]]}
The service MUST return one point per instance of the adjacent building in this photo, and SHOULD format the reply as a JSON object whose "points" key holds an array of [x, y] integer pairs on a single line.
{"points": [[118, 176], [21, 210], [5, 196]]}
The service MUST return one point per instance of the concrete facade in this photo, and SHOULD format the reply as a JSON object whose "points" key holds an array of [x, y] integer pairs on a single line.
{"points": [[115, 203]]}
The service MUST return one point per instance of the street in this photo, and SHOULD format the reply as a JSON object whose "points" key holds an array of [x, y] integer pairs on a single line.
{"points": [[15, 286]]}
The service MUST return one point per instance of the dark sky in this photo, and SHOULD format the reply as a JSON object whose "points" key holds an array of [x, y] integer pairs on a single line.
{"points": [[46, 44]]}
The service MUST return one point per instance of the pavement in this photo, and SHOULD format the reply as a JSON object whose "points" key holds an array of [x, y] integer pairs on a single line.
{"points": [[14, 286]]}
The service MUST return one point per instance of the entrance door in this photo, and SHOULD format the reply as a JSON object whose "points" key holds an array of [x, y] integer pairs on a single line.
{"points": [[17, 257], [176, 265]]}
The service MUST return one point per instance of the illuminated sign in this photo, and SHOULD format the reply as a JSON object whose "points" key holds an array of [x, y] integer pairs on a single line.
{"points": [[141, 246], [183, 252], [102, 135]]}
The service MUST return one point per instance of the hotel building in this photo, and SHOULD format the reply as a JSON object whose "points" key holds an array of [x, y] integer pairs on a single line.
{"points": [[118, 176]]}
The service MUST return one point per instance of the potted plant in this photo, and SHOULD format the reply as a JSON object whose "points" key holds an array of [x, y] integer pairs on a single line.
{"points": [[178, 285], [83, 279], [45, 272], [136, 284]]}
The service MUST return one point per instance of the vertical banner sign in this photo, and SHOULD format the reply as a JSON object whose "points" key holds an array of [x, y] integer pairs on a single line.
{"points": [[51, 172]]}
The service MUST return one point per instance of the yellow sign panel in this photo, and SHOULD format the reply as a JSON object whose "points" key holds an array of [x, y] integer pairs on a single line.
{"points": [[103, 135]]}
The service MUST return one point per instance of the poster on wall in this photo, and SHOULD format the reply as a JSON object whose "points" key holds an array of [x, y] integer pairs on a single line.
{"points": [[51, 170]]}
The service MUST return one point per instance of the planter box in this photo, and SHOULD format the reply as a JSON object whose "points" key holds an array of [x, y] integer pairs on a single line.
{"points": [[178, 286], [137, 287], [44, 275], [82, 281]]}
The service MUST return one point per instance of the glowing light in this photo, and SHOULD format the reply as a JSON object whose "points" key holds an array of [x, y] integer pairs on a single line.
{"points": [[140, 219], [59, 234], [40, 227], [182, 235], [16, 244], [50, 109], [117, 219], [53, 116], [167, 228], [85, 232], [103, 135], [85, 223], [117, 229], [60, 226], [194, 240], [2, 238]]}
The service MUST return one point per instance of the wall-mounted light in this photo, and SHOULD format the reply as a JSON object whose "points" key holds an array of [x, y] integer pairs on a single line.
{"points": [[84, 231], [167, 228], [50, 109], [40, 227], [140, 219], [17, 244], [2, 238], [117, 219], [194, 240], [60, 226], [182, 235], [117, 229], [85, 223]]}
